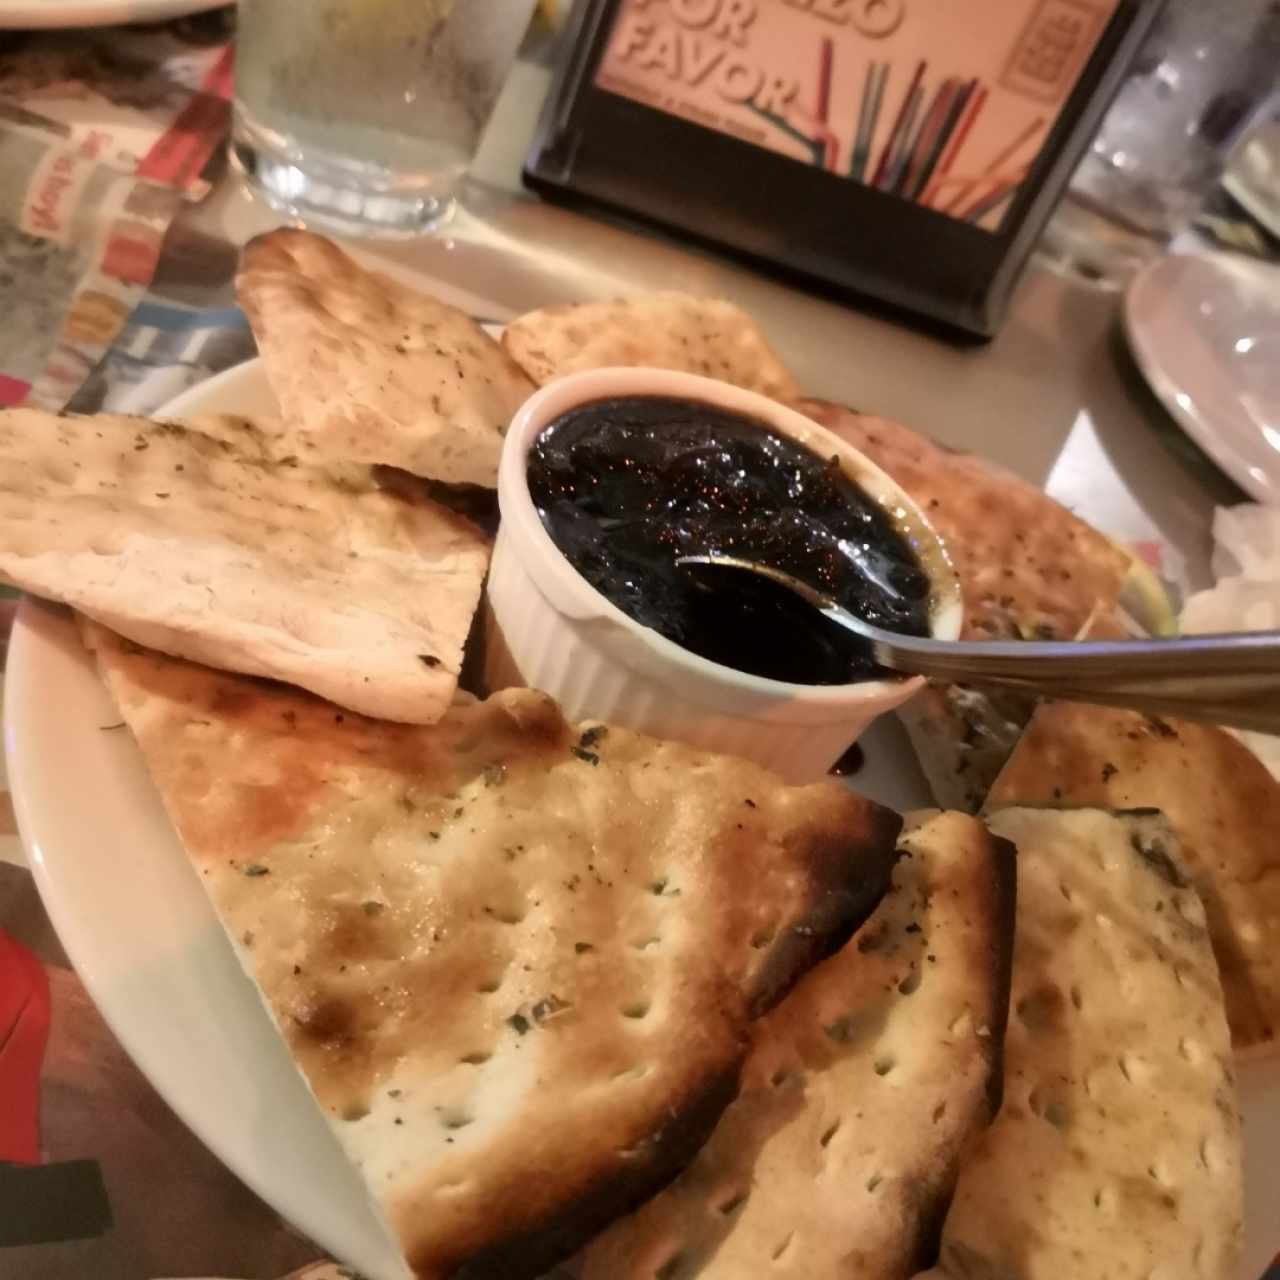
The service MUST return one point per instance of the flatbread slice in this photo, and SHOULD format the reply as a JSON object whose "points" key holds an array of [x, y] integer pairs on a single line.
{"points": [[1116, 1154], [1223, 804], [1028, 569], [206, 542], [372, 370], [660, 330], [862, 1089], [515, 960]]}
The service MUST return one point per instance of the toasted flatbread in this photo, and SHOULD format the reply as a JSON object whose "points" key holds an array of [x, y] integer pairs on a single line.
{"points": [[1223, 804], [204, 541], [1116, 1154], [1028, 569], [372, 370], [862, 1088], [659, 330], [515, 960]]}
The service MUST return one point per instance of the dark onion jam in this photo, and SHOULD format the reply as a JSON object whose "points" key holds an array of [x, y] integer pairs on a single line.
{"points": [[625, 486]]}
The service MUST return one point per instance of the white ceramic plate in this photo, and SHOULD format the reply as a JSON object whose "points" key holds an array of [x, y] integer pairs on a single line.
{"points": [[27, 14], [137, 926], [1252, 178], [1205, 331]]}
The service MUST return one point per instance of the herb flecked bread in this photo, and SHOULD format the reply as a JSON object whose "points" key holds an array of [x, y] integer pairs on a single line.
{"points": [[1029, 570], [1223, 805], [373, 371], [515, 960], [216, 541], [676, 331], [862, 1090], [1116, 1154]]}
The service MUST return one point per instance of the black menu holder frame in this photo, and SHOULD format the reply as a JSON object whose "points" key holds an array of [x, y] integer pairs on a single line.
{"points": [[593, 147]]}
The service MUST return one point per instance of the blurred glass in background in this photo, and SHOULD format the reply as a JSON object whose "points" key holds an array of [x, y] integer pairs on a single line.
{"points": [[363, 115], [1205, 74]]}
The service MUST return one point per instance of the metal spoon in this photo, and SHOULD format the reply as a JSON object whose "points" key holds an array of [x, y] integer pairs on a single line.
{"points": [[1225, 679]]}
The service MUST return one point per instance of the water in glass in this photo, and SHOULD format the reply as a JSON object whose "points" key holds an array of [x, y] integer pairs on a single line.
{"points": [[364, 114]]}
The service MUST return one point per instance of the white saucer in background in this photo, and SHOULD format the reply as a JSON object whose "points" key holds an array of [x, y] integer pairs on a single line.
{"points": [[1205, 331]]}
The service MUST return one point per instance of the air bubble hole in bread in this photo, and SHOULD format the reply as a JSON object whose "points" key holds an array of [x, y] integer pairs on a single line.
{"points": [[861, 1091]]}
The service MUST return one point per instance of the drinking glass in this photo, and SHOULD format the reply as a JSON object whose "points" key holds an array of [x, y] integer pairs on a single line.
{"points": [[1204, 72], [363, 115]]}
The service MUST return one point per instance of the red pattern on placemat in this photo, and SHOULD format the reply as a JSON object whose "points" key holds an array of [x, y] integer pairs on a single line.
{"points": [[24, 1033], [132, 251], [178, 157], [12, 390], [221, 76]]}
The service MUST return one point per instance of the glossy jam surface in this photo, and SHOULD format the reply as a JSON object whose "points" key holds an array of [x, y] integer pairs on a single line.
{"points": [[626, 486]]}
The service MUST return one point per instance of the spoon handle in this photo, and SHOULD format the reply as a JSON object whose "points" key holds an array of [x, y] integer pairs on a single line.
{"points": [[1227, 679]]}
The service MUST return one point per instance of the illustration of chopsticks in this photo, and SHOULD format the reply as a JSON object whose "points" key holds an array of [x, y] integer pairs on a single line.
{"points": [[1032, 128], [818, 146], [868, 116], [825, 56], [976, 100], [826, 141], [993, 200], [821, 130], [1016, 145], [919, 148], [910, 103], [816, 138], [902, 151], [951, 117]]}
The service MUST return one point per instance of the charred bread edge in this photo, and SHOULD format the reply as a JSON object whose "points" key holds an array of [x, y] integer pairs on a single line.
{"points": [[836, 910]]}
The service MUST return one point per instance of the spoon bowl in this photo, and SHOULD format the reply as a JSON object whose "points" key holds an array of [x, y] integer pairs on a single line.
{"points": [[1229, 679]]}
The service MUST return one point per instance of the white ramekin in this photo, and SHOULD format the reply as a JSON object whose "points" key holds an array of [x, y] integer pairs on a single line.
{"points": [[547, 628]]}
